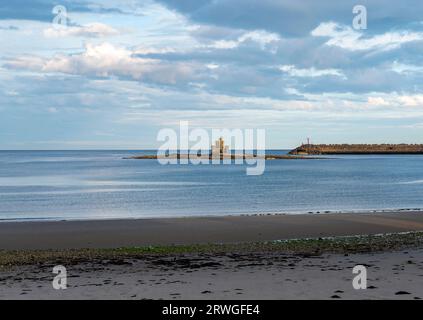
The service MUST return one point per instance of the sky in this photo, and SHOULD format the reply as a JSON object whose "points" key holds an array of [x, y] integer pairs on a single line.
{"points": [[111, 74]]}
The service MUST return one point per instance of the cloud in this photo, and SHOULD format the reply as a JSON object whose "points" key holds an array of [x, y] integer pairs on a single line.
{"points": [[266, 41], [41, 10], [13, 28], [52, 110], [403, 68], [106, 60], [276, 63], [295, 18], [93, 30], [310, 72], [411, 101], [377, 101], [347, 38], [396, 100]]}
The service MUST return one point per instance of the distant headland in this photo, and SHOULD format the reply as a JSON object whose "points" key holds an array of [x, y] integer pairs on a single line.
{"points": [[328, 149]]}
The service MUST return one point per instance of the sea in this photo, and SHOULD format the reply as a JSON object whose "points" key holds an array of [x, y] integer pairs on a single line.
{"points": [[79, 185]]}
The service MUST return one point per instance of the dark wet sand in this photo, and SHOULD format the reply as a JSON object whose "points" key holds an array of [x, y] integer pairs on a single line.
{"points": [[228, 229]]}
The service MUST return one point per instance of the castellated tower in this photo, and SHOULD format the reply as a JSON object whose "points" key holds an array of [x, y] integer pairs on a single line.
{"points": [[219, 148]]}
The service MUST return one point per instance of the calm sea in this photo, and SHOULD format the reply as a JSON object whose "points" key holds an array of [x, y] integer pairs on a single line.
{"points": [[101, 184]]}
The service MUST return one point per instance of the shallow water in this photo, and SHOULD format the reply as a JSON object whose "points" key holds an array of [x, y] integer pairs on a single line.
{"points": [[101, 184]]}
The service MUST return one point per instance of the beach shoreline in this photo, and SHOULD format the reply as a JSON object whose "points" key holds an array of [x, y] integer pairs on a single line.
{"points": [[42, 235], [232, 257]]}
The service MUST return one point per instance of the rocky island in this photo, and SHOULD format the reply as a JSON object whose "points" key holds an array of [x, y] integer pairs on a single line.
{"points": [[220, 151], [225, 157]]}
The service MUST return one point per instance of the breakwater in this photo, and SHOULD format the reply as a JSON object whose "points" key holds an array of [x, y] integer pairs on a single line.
{"points": [[317, 149]]}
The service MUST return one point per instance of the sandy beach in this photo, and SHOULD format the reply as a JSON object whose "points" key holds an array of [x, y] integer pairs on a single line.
{"points": [[245, 257], [391, 275], [182, 231]]}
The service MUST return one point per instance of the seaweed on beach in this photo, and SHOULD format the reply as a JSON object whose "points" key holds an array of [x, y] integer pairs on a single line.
{"points": [[299, 247]]}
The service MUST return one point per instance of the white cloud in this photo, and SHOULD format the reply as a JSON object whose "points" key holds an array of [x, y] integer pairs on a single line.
{"points": [[403, 68], [263, 38], [105, 60], [266, 40], [212, 66], [347, 38], [396, 100], [377, 101], [411, 101], [150, 50], [224, 44], [310, 72], [93, 30]]}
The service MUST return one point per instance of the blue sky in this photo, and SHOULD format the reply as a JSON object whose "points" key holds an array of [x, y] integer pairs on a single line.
{"points": [[122, 70]]}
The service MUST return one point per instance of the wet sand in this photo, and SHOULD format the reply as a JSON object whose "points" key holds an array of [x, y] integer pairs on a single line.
{"points": [[200, 230]]}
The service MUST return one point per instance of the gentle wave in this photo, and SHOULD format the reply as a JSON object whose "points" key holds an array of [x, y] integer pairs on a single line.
{"points": [[68, 180], [411, 182]]}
